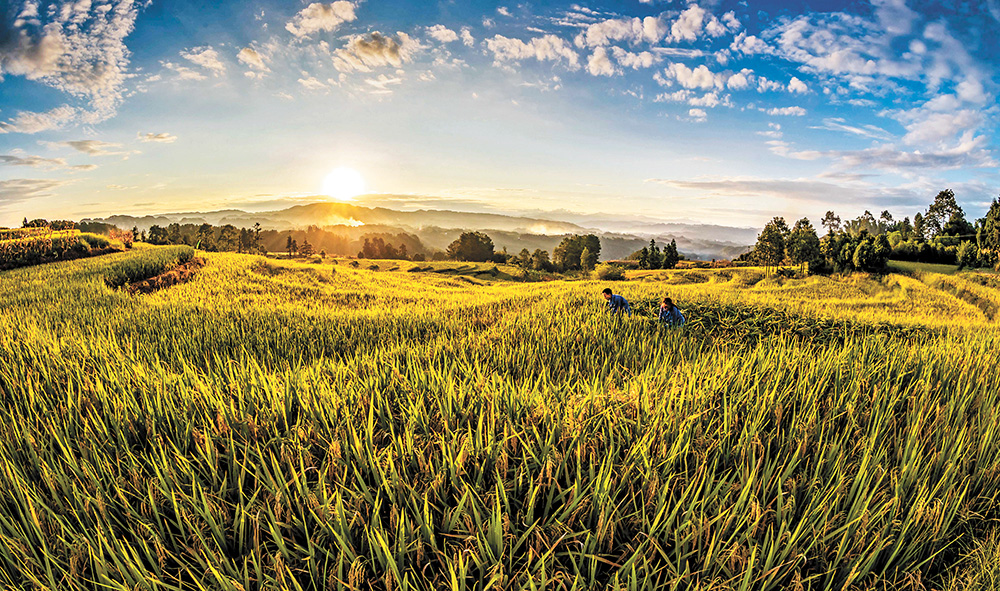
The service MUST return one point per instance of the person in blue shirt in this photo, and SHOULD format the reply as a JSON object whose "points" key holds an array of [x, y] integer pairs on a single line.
{"points": [[671, 314], [616, 303]]}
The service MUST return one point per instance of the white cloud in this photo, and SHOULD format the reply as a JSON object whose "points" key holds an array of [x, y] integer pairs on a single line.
{"points": [[796, 85], [698, 115], [868, 131], [793, 111], [467, 37], [635, 61], [163, 138], [382, 83], [936, 128], [183, 73], [503, 11], [599, 64], [375, 50], [749, 45], [311, 83], [967, 154], [206, 57], [688, 25], [680, 96], [76, 47], [442, 34], [784, 149], [699, 77], [32, 122], [765, 85], [545, 48], [710, 99], [740, 80], [631, 30], [319, 17]]}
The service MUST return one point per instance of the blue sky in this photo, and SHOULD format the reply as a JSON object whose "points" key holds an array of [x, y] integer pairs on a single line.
{"points": [[709, 111]]}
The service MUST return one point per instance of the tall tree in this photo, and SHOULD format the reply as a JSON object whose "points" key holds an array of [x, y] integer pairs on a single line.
{"points": [[990, 233], [540, 260], [770, 247], [831, 222], [919, 227], [588, 259], [471, 246], [567, 256], [802, 246], [670, 255], [940, 211]]}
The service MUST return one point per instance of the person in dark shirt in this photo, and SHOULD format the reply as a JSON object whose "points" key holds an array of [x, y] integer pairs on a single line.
{"points": [[671, 314], [616, 303]]}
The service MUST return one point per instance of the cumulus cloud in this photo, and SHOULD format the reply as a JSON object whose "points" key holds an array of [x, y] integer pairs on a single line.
{"points": [[697, 77], [77, 47], [698, 115], [32, 122], [545, 48], [467, 37], [374, 50], [599, 64], [635, 61], [710, 99], [695, 20], [740, 80], [16, 190], [163, 138], [320, 17], [631, 30], [929, 127], [206, 57], [796, 85], [442, 34], [749, 45]]}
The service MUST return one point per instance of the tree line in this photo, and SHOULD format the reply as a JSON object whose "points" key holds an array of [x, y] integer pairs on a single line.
{"points": [[577, 252], [941, 234]]}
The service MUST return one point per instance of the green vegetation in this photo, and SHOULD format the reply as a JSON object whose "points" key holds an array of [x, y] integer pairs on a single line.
{"points": [[150, 263], [37, 245], [275, 424]]}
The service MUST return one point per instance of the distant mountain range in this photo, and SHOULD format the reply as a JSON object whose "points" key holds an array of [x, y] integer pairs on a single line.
{"points": [[620, 236]]}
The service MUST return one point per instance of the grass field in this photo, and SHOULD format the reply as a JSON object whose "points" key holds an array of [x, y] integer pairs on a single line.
{"points": [[280, 424]]}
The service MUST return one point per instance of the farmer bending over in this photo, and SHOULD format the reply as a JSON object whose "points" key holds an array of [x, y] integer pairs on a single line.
{"points": [[616, 303], [671, 314]]}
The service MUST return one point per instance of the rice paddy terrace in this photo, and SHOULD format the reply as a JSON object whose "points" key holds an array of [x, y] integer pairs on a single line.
{"points": [[279, 424]]}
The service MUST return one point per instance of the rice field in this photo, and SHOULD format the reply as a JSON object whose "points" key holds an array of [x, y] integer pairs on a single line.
{"points": [[276, 424]]}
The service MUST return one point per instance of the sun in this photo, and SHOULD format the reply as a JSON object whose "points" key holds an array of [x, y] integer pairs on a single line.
{"points": [[343, 184]]}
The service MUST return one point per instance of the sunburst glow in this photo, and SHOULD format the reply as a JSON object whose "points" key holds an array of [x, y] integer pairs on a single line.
{"points": [[343, 184]]}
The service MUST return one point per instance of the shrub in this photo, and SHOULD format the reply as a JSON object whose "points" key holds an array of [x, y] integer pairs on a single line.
{"points": [[607, 272]]}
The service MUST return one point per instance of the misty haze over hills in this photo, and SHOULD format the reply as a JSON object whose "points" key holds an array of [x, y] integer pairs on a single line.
{"points": [[620, 235]]}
